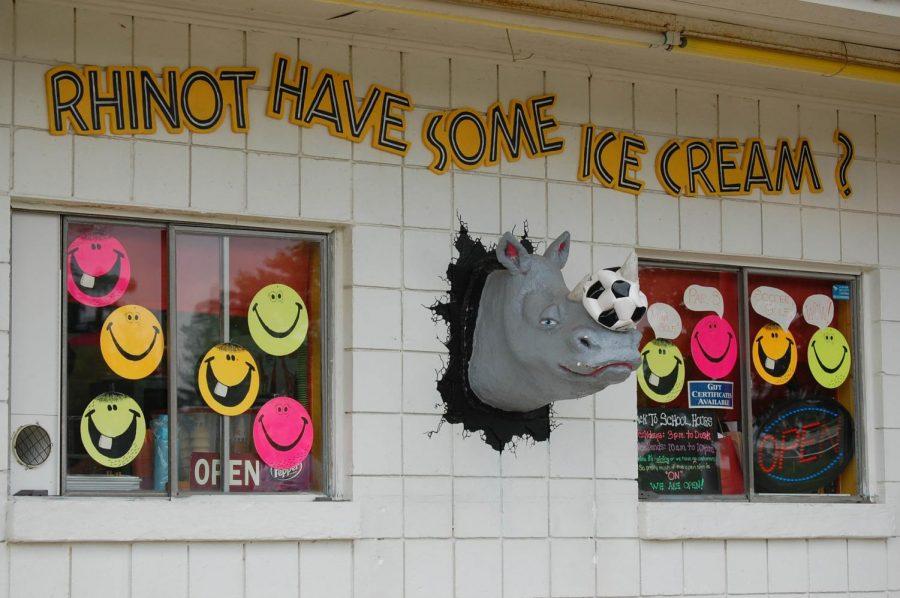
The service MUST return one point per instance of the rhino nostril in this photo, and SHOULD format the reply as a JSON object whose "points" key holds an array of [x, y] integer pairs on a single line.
{"points": [[585, 341]]}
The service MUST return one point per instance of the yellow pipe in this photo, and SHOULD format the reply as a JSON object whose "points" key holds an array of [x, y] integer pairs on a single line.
{"points": [[623, 36], [617, 35], [787, 60]]}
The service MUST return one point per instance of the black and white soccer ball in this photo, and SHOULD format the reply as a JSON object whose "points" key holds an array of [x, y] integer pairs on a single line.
{"points": [[612, 301]]}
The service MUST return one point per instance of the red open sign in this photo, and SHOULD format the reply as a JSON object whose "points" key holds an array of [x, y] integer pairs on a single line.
{"points": [[803, 445]]}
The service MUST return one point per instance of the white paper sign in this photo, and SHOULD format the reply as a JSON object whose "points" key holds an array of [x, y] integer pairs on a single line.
{"points": [[818, 310], [664, 320], [699, 298], [774, 304]]}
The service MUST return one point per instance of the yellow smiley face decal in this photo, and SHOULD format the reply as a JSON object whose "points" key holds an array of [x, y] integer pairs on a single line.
{"points": [[228, 379], [661, 375], [132, 342], [829, 357], [277, 319], [113, 429], [774, 354]]}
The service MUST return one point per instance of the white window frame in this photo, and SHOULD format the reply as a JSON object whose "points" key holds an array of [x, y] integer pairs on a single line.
{"points": [[863, 492], [47, 478]]}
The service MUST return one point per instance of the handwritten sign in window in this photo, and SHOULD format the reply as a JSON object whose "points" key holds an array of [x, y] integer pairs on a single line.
{"points": [[677, 452]]}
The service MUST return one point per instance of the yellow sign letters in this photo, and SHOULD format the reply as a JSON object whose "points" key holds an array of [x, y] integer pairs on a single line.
{"points": [[611, 158], [843, 163], [329, 100], [469, 139], [125, 100], [131, 100], [728, 167]]}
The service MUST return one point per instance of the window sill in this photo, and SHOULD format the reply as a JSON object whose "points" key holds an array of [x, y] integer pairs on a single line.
{"points": [[195, 518], [732, 520]]}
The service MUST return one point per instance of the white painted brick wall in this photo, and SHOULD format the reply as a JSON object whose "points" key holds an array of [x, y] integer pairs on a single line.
{"points": [[445, 516]]}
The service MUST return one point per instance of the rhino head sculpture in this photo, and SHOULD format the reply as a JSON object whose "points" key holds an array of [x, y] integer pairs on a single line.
{"points": [[520, 339], [535, 343]]}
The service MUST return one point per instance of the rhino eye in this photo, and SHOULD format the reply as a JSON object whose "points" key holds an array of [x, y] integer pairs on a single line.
{"points": [[549, 323]]}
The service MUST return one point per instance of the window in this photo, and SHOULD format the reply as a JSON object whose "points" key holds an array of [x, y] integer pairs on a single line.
{"points": [[748, 385], [182, 344]]}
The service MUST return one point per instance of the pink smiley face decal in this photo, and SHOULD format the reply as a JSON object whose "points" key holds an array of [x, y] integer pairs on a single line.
{"points": [[97, 270], [714, 346], [282, 433]]}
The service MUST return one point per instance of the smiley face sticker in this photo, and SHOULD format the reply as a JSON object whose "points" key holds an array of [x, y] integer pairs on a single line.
{"points": [[277, 319], [828, 355], [774, 354], [714, 346], [713, 342], [774, 350], [282, 433], [228, 379], [97, 270], [661, 375], [132, 342], [113, 429]]}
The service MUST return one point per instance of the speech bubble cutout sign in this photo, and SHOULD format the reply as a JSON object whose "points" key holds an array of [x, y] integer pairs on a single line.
{"points": [[828, 357], [713, 342], [700, 298], [774, 304], [664, 320], [661, 374], [818, 310], [282, 433]]}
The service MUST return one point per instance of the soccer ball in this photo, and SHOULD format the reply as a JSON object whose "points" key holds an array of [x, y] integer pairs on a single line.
{"points": [[612, 301]]}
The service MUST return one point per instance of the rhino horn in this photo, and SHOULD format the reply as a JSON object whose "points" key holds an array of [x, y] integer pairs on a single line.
{"points": [[578, 290], [629, 270]]}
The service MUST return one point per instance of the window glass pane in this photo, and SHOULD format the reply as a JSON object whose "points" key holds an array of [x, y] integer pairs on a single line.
{"points": [[198, 327], [248, 362], [275, 285], [269, 346], [115, 381], [689, 386], [802, 385]]}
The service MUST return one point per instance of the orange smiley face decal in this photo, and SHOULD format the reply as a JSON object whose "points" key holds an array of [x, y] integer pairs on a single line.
{"points": [[774, 354], [228, 379], [132, 342]]}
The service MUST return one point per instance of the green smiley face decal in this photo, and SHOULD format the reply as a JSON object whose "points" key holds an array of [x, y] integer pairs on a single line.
{"points": [[661, 375], [278, 319], [829, 357], [113, 429]]}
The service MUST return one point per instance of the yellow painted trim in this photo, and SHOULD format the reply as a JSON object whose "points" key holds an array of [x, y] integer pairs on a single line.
{"points": [[787, 60]]}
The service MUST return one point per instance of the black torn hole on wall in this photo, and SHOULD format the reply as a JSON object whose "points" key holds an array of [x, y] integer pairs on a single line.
{"points": [[467, 277]]}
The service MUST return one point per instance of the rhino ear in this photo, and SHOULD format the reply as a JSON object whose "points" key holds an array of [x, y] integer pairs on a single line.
{"points": [[512, 254], [629, 270], [558, 252]]}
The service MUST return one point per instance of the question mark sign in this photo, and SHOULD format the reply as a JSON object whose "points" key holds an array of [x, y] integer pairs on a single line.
{"points": [[843, 163]]}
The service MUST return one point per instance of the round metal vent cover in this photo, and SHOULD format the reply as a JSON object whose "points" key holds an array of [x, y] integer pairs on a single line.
{"points": [[31, 445]]}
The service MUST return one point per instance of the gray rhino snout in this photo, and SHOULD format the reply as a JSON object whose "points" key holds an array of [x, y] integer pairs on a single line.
{"points": [[600, 345]]}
